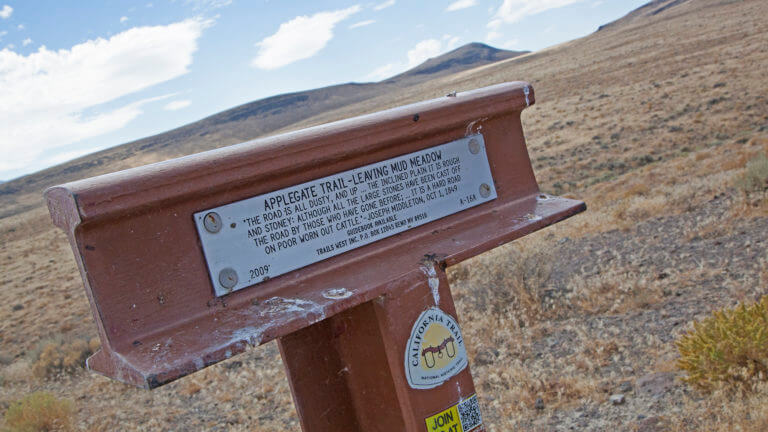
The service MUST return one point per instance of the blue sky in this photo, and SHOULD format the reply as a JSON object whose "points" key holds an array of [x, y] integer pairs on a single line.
{"points": [[80, 76]]}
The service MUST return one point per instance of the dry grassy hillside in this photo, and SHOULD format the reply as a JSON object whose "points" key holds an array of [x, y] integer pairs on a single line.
{"points": [[654, 121]]}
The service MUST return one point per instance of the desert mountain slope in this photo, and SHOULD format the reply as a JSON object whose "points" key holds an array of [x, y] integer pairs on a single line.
{"points": [[465, 57], [238, 124], [650, 9], [654, 121]]}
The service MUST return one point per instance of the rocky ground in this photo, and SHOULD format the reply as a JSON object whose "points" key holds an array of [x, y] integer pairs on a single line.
{"points": [[600, 352]]}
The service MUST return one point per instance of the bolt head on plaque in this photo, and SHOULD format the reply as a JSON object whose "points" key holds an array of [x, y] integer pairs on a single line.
{"points": [[228, 278], [474, 146], [485, 190], [212, 222]]}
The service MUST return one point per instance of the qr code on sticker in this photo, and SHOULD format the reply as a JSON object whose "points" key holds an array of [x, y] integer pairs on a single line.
{"points": [[469, 414]]}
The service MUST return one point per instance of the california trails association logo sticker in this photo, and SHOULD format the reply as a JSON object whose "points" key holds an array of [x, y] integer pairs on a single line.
{"points": [[435, 350]]}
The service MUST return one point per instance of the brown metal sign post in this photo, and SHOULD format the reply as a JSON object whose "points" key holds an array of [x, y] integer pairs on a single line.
{"points": [[332, 239]]}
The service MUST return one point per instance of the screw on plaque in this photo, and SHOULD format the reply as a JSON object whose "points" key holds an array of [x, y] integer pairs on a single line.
{"points": [[228, 278], [485, 190], [474, 146], [212, 222]]}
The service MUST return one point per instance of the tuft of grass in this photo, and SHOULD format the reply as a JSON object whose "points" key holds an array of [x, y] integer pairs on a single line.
{"points": [[730, 347], [755, 176], [518, 283], [39, 411], [512, 283], [528, 276], [17, 372], [57, 356], [724, 411]]}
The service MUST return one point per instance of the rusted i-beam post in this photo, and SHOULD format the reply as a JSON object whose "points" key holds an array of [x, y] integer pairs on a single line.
{"points": [[332, 239]]}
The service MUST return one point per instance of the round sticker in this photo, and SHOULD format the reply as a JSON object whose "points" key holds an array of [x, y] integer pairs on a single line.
{"points": [[435, 350]]}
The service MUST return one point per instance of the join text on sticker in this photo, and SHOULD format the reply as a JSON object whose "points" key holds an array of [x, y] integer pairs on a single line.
{"points": [[446, 421]]}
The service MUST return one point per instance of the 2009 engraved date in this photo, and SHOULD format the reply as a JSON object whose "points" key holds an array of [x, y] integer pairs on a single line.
{"points": [[259, 272]]}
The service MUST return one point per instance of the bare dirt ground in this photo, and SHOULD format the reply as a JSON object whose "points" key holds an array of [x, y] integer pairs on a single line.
{"points": [[651, 122]]}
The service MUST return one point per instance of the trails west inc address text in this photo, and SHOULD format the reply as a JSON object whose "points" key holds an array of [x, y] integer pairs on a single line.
{"points": [[278, 232]]}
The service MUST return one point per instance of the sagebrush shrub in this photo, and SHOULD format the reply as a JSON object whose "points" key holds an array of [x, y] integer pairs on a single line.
{"points": [[57, 356], [755, 176], [729, 347], [39, 411]]}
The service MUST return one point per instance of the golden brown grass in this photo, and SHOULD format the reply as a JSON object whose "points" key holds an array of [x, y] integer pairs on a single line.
{"points": [[39, 412], [516, 280], [730, 347], [56, 356], [614, 291], [724, 411], [754, 179]]}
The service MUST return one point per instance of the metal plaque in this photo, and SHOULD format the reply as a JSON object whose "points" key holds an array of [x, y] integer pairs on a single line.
{"points": [[250, 241]]}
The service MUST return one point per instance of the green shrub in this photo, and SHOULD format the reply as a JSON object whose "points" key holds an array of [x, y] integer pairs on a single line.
{"points": [[755, 176], [729, 347], [39, 412]]}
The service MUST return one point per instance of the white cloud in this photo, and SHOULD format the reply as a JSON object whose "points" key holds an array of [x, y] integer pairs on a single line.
{"points": [[123, 115], [3, 33], [20, 27], [450, 42], [362, 24], [66, 156], [514, 10], [511, 44], [26, 42], [429, 48], [384, 5], [421, 52], [49, 99], [207, 4], [382, 72], [10, 46], [123, 19], [177, 105], [460, 4], [6, 12], [299, 38], [493, 36]]}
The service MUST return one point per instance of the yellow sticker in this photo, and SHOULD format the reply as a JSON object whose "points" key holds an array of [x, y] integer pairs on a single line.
{"points": [[446, 421], [462, 417]]}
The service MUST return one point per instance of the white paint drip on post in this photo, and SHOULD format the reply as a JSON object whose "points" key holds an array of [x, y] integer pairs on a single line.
{"points": [[433, 281], [472, 130], [526, 92]]}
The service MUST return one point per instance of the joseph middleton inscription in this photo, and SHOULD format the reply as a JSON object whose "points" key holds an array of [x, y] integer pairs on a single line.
{"points": [[252, 240]]}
